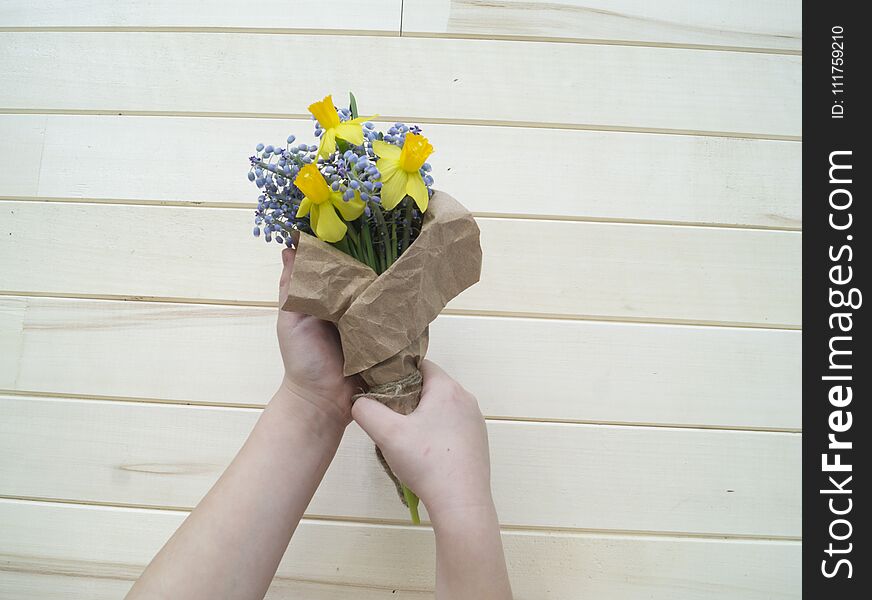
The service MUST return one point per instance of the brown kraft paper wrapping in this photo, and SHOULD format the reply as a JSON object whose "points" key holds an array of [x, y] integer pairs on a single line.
{"points": [[383, 319]]}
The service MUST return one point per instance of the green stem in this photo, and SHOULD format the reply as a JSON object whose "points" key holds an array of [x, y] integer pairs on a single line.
{"points": [[355, 243], [383, 228], [407, 226], [373, 257], [343, 246], [412, 501], [377, 258], [366, 244], [393, 238], [380, 260]]}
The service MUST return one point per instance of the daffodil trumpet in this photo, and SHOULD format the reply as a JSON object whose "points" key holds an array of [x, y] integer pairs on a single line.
{"points": [[325, 205], [333, 127], [401, 170]]}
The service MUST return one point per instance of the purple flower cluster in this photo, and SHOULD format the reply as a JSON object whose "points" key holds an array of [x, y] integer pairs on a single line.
{"points": [[273, 170]]}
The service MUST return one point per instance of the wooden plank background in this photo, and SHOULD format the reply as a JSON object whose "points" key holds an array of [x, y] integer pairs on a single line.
{"points": [[634, 341]]}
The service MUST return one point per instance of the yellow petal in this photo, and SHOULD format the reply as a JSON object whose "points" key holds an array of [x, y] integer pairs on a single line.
{"points": [[325, 112], [349, 210], [328, 143], [416, 149], [350, 132], [313, 217], [313, 185], [385, 150], [328, 226], [417, 190], [305, 205], [394, 189], [387, 167]]}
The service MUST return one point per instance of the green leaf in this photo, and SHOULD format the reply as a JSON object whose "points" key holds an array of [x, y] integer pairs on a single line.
{"points": [[353, 106]]}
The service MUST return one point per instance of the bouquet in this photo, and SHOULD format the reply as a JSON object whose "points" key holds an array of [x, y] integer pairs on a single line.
{"points": [[379, 251]]}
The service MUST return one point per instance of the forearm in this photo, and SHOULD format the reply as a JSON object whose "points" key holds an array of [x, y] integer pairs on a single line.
{"points": [[231, 544], [470, 563]]}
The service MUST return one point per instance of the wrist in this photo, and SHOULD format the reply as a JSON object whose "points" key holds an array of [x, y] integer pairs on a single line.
{"points": [[319, 419], [467, 512]]}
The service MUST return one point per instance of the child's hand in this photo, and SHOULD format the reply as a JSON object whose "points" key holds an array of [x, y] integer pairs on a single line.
{"points": [[440, 451], [313, 358]]}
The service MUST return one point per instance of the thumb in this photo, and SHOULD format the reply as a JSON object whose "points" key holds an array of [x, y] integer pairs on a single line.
{"points": [[377, 420]]}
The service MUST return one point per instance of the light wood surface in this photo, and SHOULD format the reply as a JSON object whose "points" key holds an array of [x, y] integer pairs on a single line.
{"points": [[114, 544], [634, 341], [580, 269], [767, 25], [772, 25], [619, 87], [671, 480], [680, 179], [382, 16], [584, 371]]}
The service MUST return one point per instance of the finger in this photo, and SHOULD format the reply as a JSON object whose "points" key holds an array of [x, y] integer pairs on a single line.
{"points": [[288, 255], [433, 375], [437, 388], [378, 421]]}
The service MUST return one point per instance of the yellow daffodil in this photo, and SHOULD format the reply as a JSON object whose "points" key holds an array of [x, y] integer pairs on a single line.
{"points": [[323, 203], [351, 131], [400, 170]]}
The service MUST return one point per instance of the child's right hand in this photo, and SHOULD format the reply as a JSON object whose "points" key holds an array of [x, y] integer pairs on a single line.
{"points": [[440, 451]]}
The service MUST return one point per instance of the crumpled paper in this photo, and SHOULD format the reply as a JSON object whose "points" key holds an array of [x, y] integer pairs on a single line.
{"points": [[383, 319]]}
